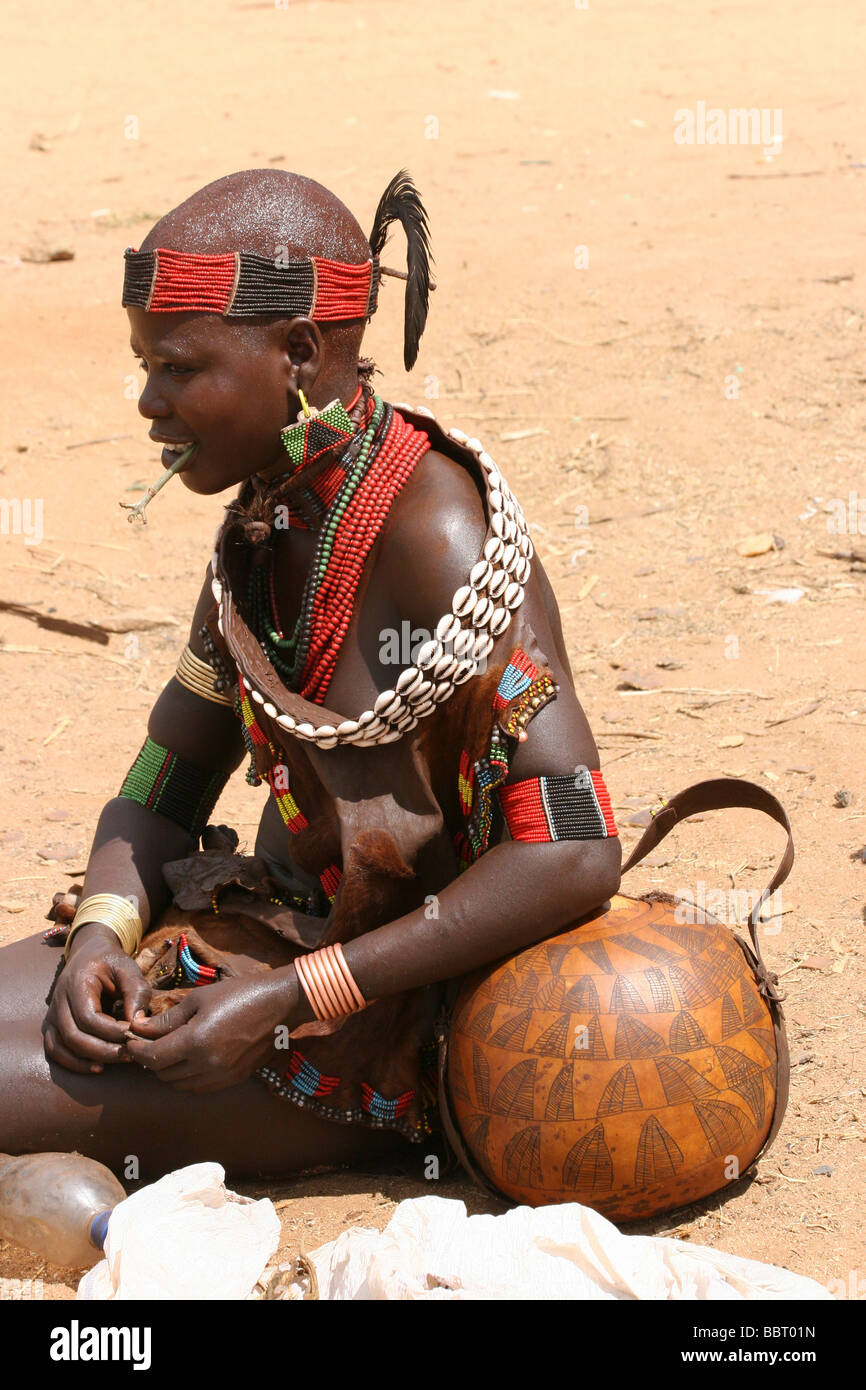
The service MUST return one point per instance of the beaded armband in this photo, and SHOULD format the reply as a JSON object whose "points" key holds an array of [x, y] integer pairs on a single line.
{"points": [[200, 677], [522, 692], [182, 791], [573, 807]]}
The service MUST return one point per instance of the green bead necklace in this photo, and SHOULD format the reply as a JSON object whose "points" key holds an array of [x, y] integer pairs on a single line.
{"points": [[288, 653]]}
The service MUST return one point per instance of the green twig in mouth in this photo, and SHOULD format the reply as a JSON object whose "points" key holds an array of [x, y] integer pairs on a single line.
{"points": [[136, 509]]}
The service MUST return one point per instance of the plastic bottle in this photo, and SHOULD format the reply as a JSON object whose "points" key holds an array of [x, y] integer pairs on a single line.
{"points": [[57, 1205]]}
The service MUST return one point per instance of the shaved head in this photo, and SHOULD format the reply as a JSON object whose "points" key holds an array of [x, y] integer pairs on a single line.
{"points": [[262, 210], [229, 385], [271, 212]]}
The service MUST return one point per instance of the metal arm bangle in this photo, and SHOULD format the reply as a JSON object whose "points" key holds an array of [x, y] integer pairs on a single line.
{"points": [[112, 911]]}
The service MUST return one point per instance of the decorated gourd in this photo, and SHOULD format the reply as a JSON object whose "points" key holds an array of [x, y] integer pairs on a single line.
{"points": [[635, 1062]]}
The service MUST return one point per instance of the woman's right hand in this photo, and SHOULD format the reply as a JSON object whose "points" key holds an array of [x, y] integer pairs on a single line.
{"points": [[78, 1034]]}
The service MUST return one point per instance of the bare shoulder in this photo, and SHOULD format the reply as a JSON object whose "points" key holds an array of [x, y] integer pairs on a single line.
{"points": [[433, 535]]}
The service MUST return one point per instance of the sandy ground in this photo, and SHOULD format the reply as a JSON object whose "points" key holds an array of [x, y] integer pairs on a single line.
{"points": [[660, 342]]}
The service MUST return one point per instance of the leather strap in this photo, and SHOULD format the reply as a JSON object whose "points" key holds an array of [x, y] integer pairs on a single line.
{"points": [[783, 1056], [717, 794]]}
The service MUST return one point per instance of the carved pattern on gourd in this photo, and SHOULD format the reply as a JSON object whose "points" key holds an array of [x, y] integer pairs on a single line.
{"points": [[512, 1033], [521, 1162], [686, 1034], [635, 1039], [620, 1093], [588, 1165], [515, 1093], [583, 996], [743, 1076], [681, 1081], [625, 998], [560, 1100], [481, 1077], [658, 1155], [724, 1125], [660, 991], [630, 1112], [731, 1021]]}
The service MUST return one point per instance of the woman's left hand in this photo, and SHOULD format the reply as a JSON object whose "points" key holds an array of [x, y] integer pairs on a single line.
{"points": [[218, 1034]]}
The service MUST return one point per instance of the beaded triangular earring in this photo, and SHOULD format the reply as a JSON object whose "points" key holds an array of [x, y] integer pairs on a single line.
{"points": [[316, 431]]}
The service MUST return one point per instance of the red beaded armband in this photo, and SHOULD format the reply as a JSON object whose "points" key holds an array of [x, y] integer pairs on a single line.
{"points": [[574, 807]]}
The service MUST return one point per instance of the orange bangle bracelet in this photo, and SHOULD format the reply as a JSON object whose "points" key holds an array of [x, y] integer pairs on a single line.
{"points": [[331, 971], [311, 989], [329, 984], [348, 977]]}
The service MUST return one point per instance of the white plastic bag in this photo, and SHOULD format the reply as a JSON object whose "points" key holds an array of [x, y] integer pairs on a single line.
{"points": [[186, 1236], [431, 1249]]}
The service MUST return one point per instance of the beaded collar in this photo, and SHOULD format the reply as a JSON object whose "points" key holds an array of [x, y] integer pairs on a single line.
{"points": [[481, 609], [389, 451], [308, 508]]}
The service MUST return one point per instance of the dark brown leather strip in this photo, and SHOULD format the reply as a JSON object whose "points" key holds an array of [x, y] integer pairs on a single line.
{"points": [[718, 794], [783, 1056]]}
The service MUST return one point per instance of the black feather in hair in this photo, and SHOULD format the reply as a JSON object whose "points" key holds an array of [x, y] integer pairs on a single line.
{"points": [[401, 202]]}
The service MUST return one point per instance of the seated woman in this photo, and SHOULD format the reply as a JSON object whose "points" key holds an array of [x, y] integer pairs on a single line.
{"points": [[376, 634]]}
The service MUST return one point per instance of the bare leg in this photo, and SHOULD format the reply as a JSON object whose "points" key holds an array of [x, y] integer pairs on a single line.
{"points": [[126, 1111]]}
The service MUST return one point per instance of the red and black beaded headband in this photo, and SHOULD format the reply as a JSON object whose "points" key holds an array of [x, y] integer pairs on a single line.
{"points": [[242, 284]]}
